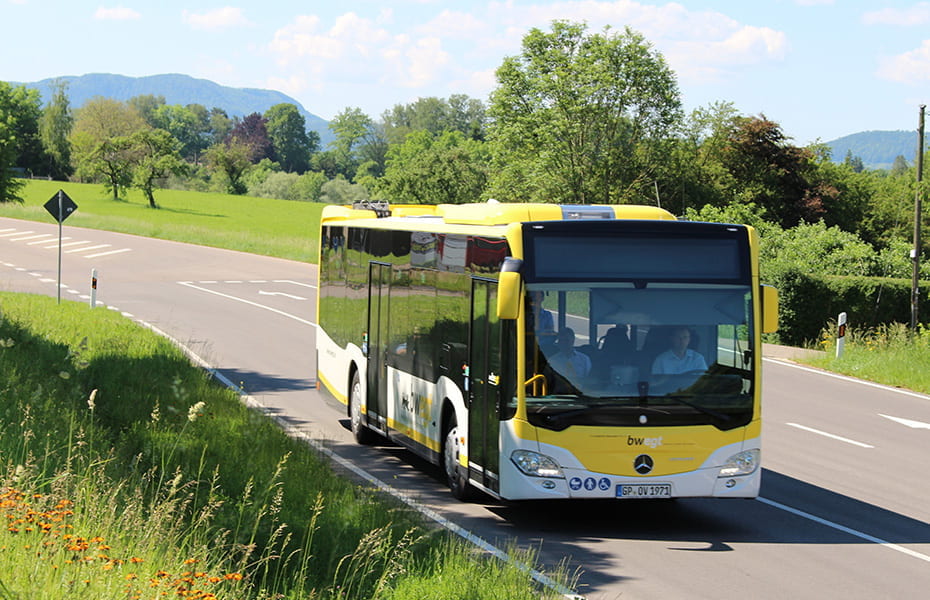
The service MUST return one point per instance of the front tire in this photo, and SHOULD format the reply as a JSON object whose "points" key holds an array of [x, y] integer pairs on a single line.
{"points": [[362, 434], [455, 473]]}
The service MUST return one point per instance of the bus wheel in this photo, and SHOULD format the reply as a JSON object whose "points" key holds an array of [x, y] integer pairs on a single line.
{"points": [[362, 434], [455, 475]]}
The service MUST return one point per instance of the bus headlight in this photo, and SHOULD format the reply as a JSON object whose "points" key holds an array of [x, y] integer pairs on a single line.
{"points": [[536, 464], [743, 463]]}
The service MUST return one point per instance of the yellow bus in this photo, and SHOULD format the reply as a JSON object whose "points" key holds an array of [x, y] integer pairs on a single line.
{"points": [[540, 351]]}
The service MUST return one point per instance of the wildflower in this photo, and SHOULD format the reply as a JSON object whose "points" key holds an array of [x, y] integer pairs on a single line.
{"points": [[7, 343], [91, 401], [195, 411]]}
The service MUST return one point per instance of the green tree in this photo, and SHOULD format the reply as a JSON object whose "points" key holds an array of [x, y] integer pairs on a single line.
{"points": [[10, 108], [186, 124], [458, 113], [156, 155], [220, 126], [340, 191], [309, 186], [287, 129], [21, 108], [578, 118], [428, 169], [55, 126], [228, 163], [350, 127], [146, 105], [97, 125], [113, 161]]}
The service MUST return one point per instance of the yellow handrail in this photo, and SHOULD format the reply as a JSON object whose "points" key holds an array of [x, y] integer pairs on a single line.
{"points": [[534, 380]]}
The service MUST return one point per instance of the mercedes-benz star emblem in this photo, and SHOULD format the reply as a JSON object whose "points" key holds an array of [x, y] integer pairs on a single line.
{"points": [[643, 464]]}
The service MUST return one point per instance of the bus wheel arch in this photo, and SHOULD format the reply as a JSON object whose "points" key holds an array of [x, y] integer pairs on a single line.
{"points": [[456, 474], [361, 432]]}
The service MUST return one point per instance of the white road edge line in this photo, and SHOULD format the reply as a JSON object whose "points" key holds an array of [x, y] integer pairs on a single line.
{"points": [[844, 529], [244, 301], [465, 534], [830, 435], [880, 386]]}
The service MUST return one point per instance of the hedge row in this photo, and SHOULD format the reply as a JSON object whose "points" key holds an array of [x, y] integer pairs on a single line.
{"points": [[808, 303]]}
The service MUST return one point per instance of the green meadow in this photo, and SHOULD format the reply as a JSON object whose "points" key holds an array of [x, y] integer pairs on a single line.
{"points": [[280, 228], [128, 473]]}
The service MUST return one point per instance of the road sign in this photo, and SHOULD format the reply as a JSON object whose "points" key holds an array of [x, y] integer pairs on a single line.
{"points": [[60, 206]]}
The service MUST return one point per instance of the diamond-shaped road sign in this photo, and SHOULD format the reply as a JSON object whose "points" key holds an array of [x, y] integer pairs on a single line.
{"points": [[60, 206]]}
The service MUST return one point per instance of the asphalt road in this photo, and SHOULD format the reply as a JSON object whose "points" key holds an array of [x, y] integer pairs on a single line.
{"points": [[843, 511]]}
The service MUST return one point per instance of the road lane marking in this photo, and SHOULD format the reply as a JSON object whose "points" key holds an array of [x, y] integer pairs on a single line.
{"points": [[908, 422], [99, 254], [31, 237], [55, 245], [15, 233], [47, 241], [844, 529], [97, 247], [291, 296], [830, 435], [292, 282], [249, 302]]}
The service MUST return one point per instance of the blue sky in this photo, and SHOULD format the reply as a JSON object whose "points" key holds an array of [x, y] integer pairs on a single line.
{"points": [[820, 68]]}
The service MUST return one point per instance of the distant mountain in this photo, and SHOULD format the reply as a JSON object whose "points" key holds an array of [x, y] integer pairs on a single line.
{"points": [[179, 89], [877, 149]]}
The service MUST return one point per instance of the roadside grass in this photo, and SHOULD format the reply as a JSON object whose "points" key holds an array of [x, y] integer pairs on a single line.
{"points": [[280, 228], [891, 355], [125, 472]]}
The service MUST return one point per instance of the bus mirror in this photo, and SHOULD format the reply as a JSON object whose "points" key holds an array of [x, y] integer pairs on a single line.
{"points": [[769, 309], [508, 289]]}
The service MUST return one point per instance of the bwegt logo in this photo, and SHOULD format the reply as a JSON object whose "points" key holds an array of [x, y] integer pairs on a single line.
{"points": [[649, 442]]}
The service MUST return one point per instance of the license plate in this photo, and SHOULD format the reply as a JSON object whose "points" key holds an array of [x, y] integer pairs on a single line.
{"points": [[644, 490]]}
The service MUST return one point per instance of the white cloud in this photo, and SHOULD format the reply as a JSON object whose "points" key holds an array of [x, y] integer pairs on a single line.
{"points": [[918, 14], [357, 48], [456, 25], [221, 18], [910, 66], [118, 13], [699, 45]]}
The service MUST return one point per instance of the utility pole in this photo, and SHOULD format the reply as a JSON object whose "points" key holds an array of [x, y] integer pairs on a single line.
{"points": [[915, 252]]}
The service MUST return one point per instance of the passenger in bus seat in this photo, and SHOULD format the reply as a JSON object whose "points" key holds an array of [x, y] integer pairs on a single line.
{"points": [[541, 320], [568, 361], [614, 359]]}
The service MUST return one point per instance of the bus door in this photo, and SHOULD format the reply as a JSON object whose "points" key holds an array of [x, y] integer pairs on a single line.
{"points": [[379, 286], [484, 362]]}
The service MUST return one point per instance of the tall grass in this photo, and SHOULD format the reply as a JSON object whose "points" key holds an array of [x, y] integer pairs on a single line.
{"points": [[279, 228], [890, 354], [126, 473]]}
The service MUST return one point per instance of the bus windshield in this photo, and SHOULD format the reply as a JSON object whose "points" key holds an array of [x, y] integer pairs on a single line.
{"points": [[639, 353]]}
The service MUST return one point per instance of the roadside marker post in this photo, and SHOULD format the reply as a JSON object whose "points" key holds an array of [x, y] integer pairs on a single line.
{"points": [[840, 334], [93, 288]]}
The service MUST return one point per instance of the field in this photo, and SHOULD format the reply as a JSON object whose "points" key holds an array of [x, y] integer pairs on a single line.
{"points": [[258, 225], [126, 475]]}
